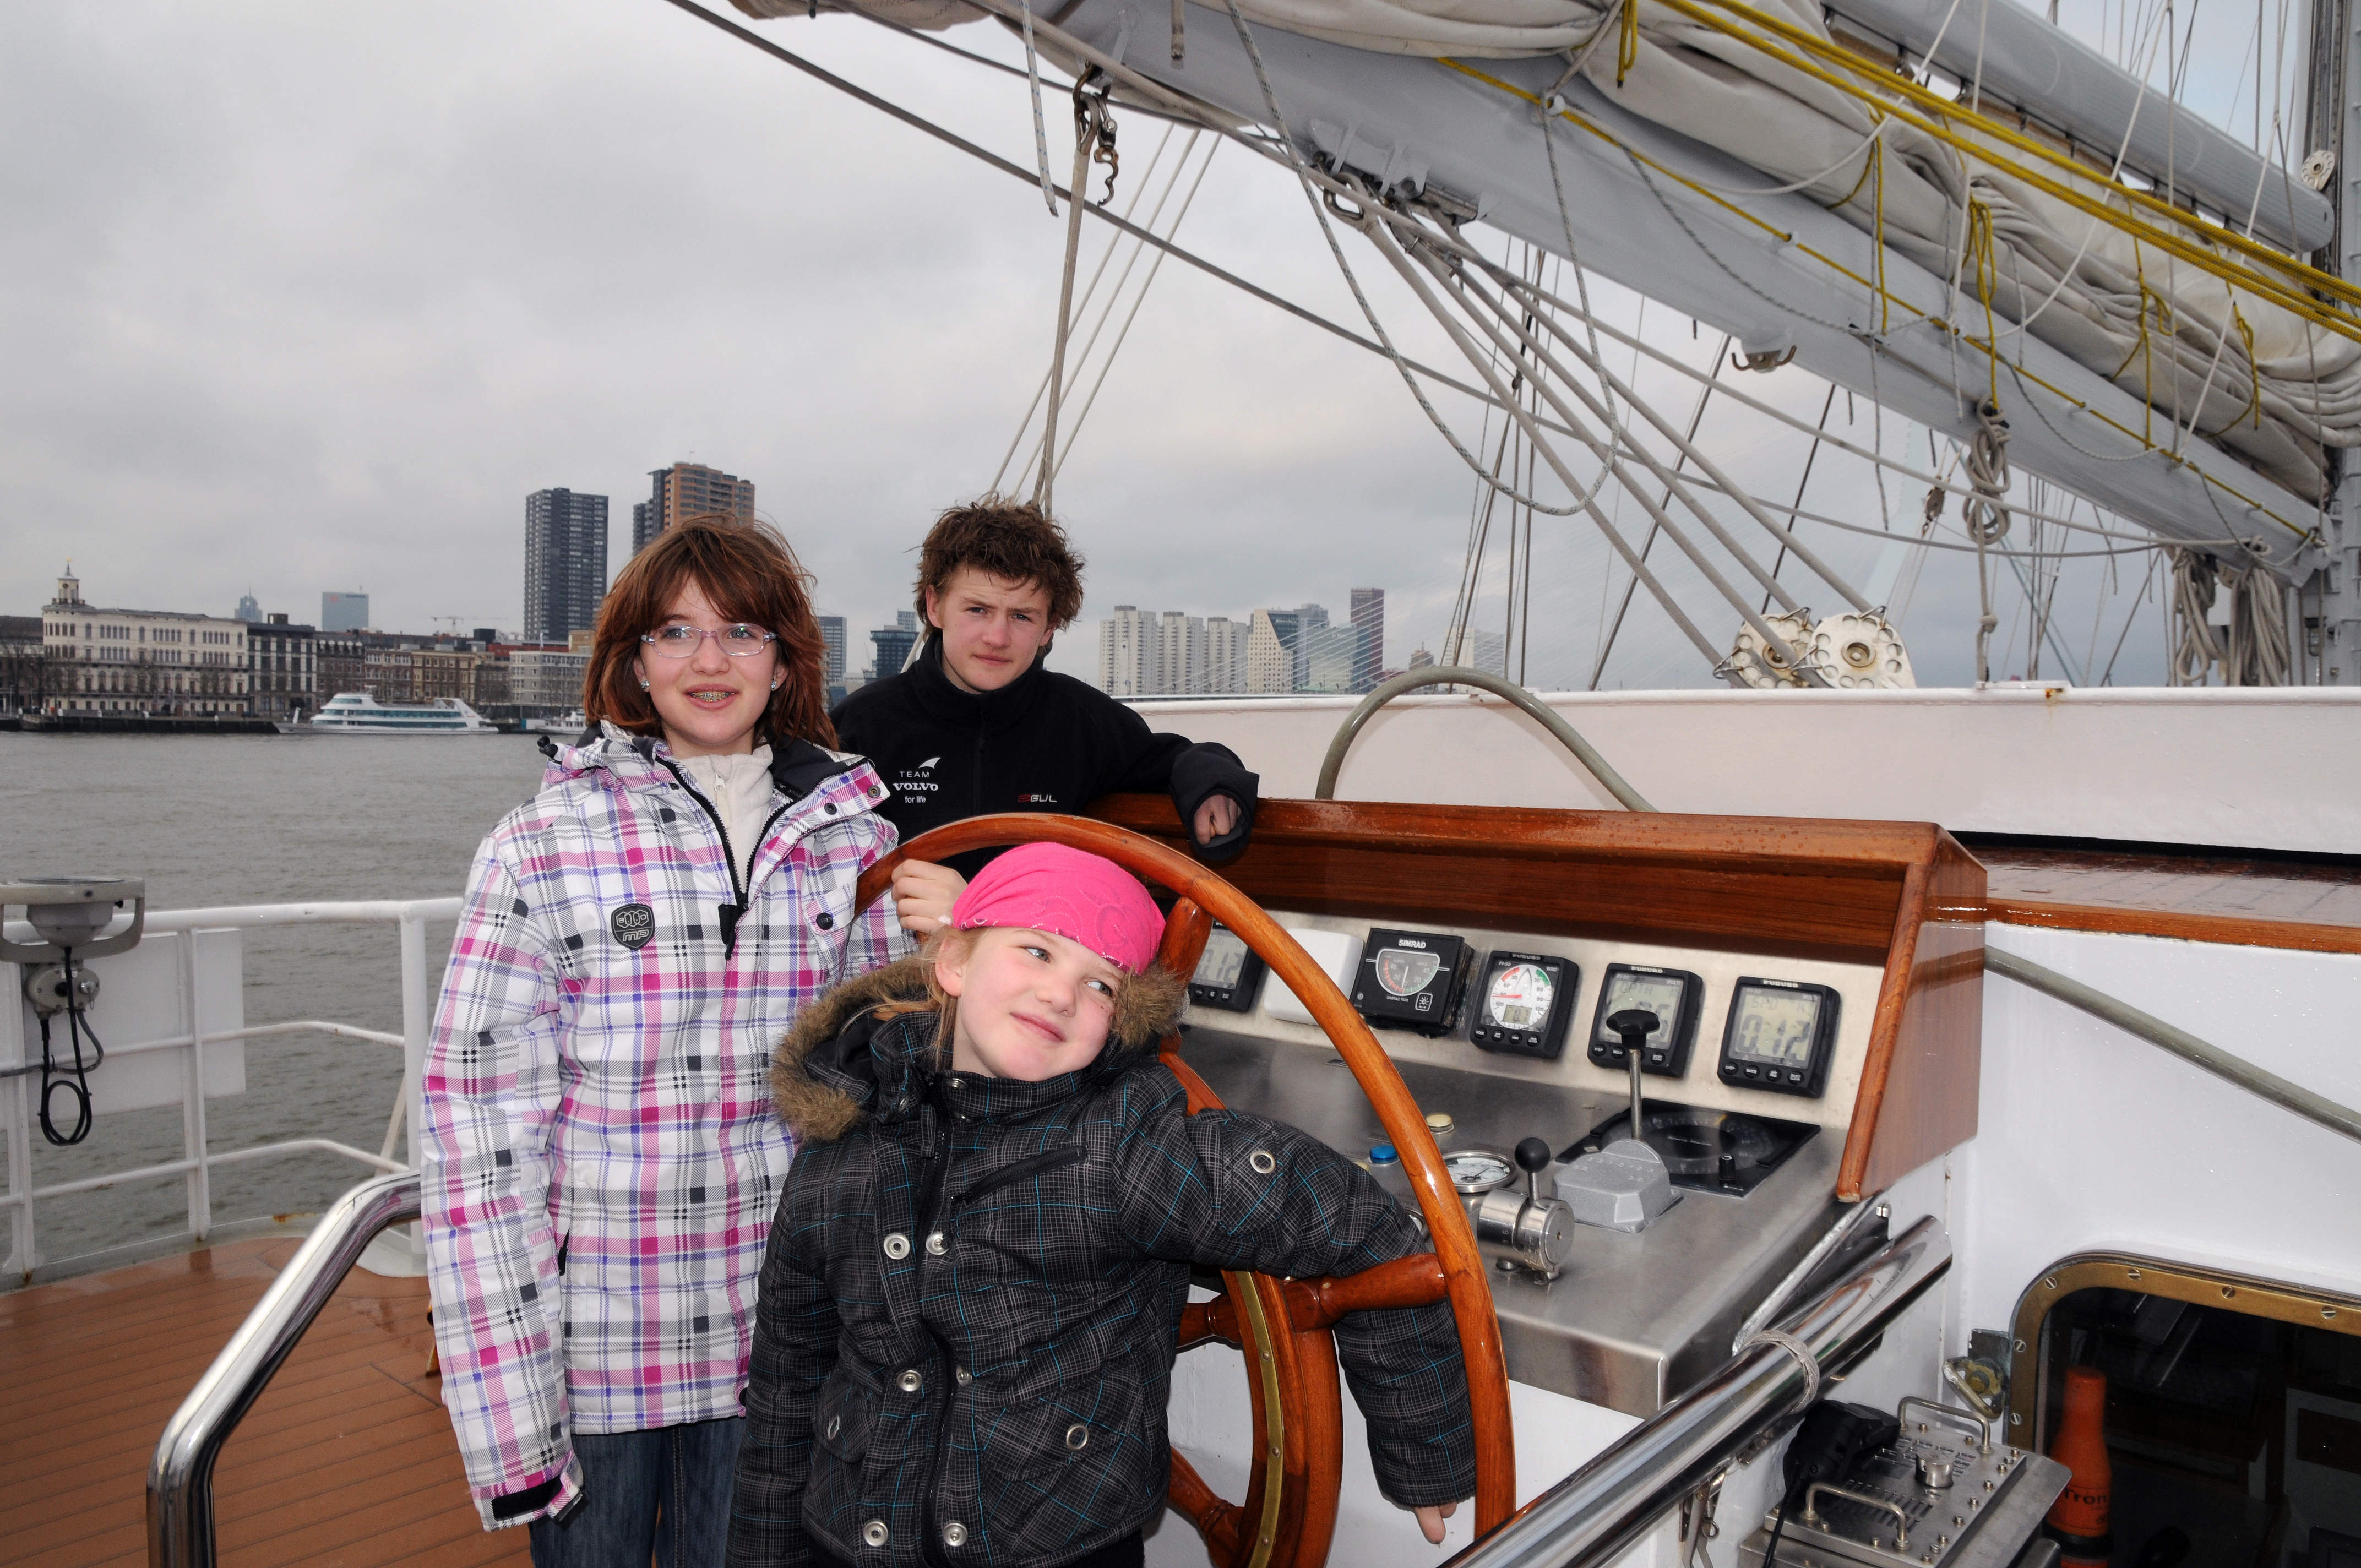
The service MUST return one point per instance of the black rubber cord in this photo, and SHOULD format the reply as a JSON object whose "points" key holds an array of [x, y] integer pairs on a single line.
{"points": [[74, 1078]]}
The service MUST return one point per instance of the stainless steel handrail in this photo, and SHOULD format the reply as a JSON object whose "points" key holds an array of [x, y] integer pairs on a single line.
{"points": [[1460, 675], [181, 1477], [1608, 1504]]}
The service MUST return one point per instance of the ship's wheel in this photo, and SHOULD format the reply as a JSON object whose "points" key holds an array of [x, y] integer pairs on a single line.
{"points": [[1283, 1325]]}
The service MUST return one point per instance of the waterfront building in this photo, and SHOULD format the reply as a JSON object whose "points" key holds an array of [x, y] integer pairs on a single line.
{"points": [[1420, 658], [1369, 619], [140, 661], [1226, 654], [1270, 651], [1330, 659], [249, 609], [1485, 650], [894, 645], [339, 664], [282, 668], [344, 612], [547, 676], [23, 666], [1130, 653], [565, 562], [688, 489], [1180, 653]]}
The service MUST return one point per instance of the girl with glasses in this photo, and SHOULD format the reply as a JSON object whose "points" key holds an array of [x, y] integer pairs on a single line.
{"points": [[600, 1158]]}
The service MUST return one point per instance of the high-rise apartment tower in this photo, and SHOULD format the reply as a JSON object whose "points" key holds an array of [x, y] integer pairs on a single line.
{"points": [[685, 490], [1369, 618], [565, 562]]}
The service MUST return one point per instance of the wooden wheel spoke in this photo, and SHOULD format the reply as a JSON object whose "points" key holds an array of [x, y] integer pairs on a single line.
{"points": [[1417, 1280], [1201, 1322]]}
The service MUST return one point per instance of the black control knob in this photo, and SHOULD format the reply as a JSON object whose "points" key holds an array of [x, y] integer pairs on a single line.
{"points": [[1533, 1156], [1635, 1024]]}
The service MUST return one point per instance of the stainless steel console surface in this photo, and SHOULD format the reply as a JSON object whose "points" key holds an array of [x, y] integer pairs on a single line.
{"points": [[1634, 1320]]}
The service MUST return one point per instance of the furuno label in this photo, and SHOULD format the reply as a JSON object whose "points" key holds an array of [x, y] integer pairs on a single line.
{"points": [[633, 925]]}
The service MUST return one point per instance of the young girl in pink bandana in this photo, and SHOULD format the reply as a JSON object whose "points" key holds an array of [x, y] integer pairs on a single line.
{"points": [[972, 1293]]}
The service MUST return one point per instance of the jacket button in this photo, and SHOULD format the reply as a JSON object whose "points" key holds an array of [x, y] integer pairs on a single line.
{"points": [[954, 1534], [897, 1247], [824, 921], [910, 1382], [874, 1532], [829, 809], [835, 1423], [1262, 1162], [965, 1376], [1078, 1436], [937, 1246]]}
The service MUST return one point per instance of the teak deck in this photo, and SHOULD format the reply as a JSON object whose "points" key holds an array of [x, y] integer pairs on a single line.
{"points": [[347, 1459]]}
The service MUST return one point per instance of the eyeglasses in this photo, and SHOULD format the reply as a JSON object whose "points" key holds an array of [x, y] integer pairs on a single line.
{"points": [[739, 641]]}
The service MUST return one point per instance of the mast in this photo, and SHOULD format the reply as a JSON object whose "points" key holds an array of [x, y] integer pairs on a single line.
{"points": [[2327, 623]]}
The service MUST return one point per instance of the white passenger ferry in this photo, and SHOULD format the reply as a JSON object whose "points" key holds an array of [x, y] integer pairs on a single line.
{"points": [[358, 713]]}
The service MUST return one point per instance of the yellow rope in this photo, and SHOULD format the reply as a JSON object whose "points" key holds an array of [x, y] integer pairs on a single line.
{"points": [[1985, 265], [2254, 369], [1627, 48], [2202, 253], [1988, 345]]}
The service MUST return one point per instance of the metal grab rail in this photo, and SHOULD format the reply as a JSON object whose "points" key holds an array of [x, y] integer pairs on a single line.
{"points": [[181, 1477], [17, 1090], [1608, 1504], [1457, 675], [2234, 1070]]}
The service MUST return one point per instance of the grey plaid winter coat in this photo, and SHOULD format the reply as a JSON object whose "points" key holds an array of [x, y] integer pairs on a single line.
{"points": [[969, 1305]]}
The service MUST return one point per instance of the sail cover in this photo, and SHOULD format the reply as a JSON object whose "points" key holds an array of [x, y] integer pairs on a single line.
{"points": [[2271, 383]]}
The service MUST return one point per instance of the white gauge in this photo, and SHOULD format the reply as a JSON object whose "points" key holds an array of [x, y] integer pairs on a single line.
{"points": [[1528, 1000], [1478, 1170], [1519, 997]]}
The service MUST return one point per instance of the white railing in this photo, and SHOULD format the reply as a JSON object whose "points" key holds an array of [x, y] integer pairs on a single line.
{"points": [[198, 1158]]}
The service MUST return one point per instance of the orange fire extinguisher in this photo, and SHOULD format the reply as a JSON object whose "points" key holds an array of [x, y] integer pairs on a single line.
{"points": [[2079, 1518]]}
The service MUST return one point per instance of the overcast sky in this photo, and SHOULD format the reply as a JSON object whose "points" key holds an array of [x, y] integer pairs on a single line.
{"points": [[310, 296]]}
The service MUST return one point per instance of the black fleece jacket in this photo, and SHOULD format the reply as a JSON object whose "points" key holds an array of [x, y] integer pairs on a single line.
{"points": [[1043, 742]]}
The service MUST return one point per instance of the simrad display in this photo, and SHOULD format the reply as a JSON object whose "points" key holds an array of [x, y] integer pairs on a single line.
{"points": [[1410, 979]]}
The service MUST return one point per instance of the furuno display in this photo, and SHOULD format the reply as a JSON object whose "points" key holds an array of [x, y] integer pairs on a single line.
{"points": [[1674, 995], [1410, 979], [1229, 974], [1524, 1004], [1781, 1037]]}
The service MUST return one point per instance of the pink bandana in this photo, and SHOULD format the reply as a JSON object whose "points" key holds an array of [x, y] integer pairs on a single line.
{"points": [[1083, 897]]}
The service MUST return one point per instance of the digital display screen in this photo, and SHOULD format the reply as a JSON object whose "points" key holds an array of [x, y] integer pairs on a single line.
{"points": [[1224, 961], [1657, 994], [1406, 971], [1519, 997], [1774, 1027]]}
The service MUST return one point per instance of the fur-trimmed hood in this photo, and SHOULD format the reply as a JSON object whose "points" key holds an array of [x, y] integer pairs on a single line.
{"points": [[841, 1063]]}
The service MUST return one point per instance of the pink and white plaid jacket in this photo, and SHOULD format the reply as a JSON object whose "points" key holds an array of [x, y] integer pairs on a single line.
{"points": [[601, 1159]]}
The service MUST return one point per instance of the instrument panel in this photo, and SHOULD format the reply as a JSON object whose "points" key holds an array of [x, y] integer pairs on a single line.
{"points": [[1783, 1037]]}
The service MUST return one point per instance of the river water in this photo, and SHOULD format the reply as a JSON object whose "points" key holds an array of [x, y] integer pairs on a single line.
{"points": [[256, 819]]}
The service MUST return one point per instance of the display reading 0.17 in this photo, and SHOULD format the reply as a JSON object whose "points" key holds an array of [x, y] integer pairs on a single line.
{"points": [[1781, 1037]]}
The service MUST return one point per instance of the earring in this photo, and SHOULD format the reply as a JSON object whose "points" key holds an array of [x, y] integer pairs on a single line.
{"points": [[775, 685], [644, 686]]}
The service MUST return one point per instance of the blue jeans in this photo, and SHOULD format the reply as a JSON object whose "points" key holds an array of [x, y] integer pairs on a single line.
{"points": [[663, 1492]]}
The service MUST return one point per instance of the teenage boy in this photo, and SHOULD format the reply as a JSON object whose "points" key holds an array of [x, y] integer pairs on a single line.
{"points": [[977, 725]]}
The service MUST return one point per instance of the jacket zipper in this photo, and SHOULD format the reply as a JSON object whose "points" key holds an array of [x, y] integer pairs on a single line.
{"points": [[741, 892]]}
